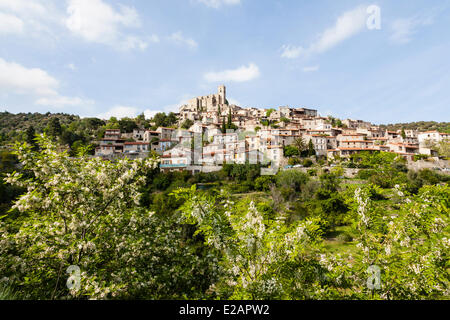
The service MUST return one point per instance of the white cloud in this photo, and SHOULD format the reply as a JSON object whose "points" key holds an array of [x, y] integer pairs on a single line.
{"points": [[96, 21], [18, 79], [61, 101], [23, 6], [34, 82], [241, 74], [150, 113], [218, 3], [71, 66], [347, 25], [39, 17], [178, 38], [169, 108], [10, 24], [404, 29], [291, 52], [119, 112], [234, 101], [310, 69]]}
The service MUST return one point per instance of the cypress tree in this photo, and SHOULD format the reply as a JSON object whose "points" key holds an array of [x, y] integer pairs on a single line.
{"points": [[224, 127], [311, 150]]}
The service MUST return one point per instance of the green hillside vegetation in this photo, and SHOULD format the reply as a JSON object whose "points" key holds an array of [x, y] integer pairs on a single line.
{"points": [[138, 233], [420, 125], [70, 130]]}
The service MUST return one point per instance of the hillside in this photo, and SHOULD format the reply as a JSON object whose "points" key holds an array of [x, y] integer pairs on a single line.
{"points": [[420, 125], [13, 125]]}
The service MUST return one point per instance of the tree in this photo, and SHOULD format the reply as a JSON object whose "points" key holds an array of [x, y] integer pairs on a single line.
{"points": [[265, 123], [269, 112], [403, 134], [159, 119], [187, 124], [410, 248], [443, 148], [30, 136], [54, 127], [259, 260], [291, 151], [113, 123], [141, 118], [127, 125], [311, 150], [300, 145], [263, 183], [85, 213], [171, 119], [224, 126], [291, 179], [285, 120]]}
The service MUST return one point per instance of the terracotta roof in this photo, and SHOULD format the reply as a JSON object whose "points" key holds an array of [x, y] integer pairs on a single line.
{"points": [[356, 149]]}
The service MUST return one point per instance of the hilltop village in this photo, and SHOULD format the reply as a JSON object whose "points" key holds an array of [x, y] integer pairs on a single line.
{"points": [[220, 132]]}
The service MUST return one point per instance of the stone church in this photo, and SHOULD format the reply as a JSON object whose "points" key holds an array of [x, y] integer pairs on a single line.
{"points": [[213, 104]]}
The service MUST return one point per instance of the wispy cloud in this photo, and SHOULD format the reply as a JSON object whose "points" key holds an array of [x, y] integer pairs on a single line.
{"points": [[119, 112], [347, 25], [58, 101], [29, 18], [310, 68], [241, 74], [404, 29], [10, 24], [291, 52], [179, 39], [219, 3], [71, 66]]}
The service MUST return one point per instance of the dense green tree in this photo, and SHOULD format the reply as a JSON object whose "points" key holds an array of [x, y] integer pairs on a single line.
{"points": [[224, 126], [291, 151], [54, 127], [300, 144], [291, 179], [113, 123], [95, 224], [311, 150], [187, 124], [127, 125]]}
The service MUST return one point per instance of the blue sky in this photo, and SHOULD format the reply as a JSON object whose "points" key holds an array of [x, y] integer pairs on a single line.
{"points": [[122, 58]]}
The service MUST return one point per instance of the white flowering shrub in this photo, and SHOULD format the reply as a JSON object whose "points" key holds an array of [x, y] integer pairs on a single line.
{"points": [[409, 245], [85, 212], [261, 259]]}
